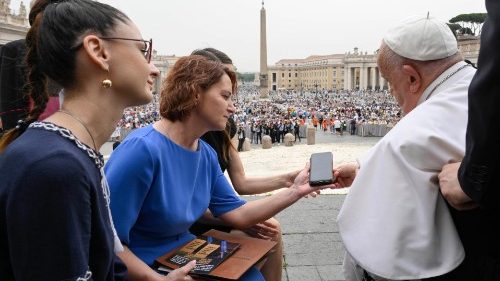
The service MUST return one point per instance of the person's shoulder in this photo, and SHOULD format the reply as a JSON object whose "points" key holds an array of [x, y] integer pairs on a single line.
{"points": [[48, 160], [427, 126], [14, 48], [146, 137], [143, 142], [61, 152], [41, 144], [58, 163], [141, 132], [207, 149], [53, 167]]}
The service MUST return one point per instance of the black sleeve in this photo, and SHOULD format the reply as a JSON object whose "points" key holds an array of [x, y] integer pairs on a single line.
{"points": [[49, 222], [478, 172]]}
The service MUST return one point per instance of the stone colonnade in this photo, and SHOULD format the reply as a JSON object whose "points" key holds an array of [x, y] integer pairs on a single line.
{"points": [[363, 77]]}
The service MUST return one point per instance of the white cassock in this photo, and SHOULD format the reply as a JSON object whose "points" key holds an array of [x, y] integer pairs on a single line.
{"points": [[394, 221]]}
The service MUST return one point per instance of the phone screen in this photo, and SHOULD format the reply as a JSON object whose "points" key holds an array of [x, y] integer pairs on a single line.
{"points": [[321, 169]]}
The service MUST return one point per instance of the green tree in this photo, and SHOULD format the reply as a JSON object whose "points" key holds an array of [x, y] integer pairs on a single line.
{"points": [[245, 77], [455, 28], [466, 30], [470, 23]]}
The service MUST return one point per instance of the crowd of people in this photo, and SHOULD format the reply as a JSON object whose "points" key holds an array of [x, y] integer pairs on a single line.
{"points": [[365, 106], [136, 117], [286, 111]]}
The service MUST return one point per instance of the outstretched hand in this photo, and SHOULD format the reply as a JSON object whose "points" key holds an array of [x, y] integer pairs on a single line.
{"points": [[345, 174], [290, 179]]}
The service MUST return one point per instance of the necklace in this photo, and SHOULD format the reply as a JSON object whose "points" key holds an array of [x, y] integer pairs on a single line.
{"points": [[446, 78], [81, 122]]}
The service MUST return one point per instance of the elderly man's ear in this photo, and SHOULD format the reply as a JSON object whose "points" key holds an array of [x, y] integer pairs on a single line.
{"points": [[414, 79]]}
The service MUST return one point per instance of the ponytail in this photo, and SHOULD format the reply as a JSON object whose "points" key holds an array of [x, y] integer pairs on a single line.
{"points": [[37, 81]]}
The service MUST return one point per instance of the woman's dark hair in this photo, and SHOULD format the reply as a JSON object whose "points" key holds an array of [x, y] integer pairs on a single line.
{"points": [[206, 54], [220, 55], [57, 26], [216, 55]]}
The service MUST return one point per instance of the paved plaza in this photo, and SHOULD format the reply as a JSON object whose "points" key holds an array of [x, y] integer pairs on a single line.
{"points": [[281, 159], [313, 250]]}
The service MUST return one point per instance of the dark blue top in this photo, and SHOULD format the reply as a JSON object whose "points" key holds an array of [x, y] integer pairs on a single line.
{"points": [[53, 219]]}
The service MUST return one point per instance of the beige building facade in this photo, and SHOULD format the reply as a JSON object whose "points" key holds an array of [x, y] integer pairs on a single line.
{"points": [[469, 47], [13, 25], [354, 70], [349, 71], [361, 71], [164, 64], [309, 74]]}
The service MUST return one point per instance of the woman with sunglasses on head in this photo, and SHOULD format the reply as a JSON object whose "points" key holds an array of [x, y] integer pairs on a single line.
{"points": [[55, 222], [174, 176]]}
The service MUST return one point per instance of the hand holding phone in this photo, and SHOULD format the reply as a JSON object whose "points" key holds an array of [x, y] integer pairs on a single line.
{"points": [[321, 169]]}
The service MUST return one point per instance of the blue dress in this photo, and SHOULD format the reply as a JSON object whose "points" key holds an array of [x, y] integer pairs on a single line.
{"points": [[159, 189]]}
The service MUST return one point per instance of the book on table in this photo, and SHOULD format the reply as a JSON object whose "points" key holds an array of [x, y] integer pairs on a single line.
{"points": [[219, 255]]}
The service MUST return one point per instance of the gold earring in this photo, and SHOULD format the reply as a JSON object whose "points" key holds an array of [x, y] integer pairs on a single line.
{"points": [[106, 83]]}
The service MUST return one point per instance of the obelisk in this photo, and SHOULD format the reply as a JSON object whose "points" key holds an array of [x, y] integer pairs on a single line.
{"points": [[263, 89]]}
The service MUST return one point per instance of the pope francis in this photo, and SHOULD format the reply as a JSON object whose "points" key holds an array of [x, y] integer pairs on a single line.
{"points": [[394, 222]]}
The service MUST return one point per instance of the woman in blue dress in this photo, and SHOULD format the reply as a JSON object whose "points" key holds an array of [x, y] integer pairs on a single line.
{"points": [[163, 177]]}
